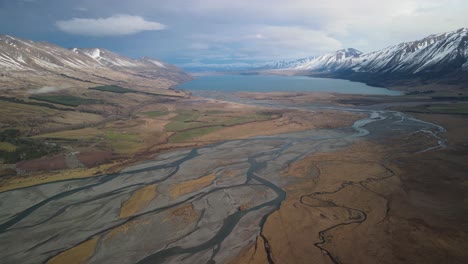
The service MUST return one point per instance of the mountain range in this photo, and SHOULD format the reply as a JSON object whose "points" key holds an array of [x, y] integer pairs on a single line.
{"points": [[32, 64], [430, 54], [439, 57], [436, 58]]}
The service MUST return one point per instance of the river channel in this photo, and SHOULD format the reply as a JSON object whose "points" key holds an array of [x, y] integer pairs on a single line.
{"points": [[239, 184]]}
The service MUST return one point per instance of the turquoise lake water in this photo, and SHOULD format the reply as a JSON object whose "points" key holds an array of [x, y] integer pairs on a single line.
{"points": [[275, 83]]}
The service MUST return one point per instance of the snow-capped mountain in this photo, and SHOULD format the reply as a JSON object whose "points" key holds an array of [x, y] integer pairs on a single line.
{"points": [[287, 64], [25, 55], [146, 66], [334, 61], [435, 55], [27, 60], [107, 58], [111, 59], [326, 62]]}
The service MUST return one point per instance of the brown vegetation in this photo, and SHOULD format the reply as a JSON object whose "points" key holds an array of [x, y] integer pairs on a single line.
{"points": [[182, 188], [373, 203], [138, 201], [78, 254]]}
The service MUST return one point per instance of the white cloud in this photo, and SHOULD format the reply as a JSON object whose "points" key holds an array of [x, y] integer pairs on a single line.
{"points": [[267, 29], [297, 40], [380, 22], [261, 42], [116, 25]]}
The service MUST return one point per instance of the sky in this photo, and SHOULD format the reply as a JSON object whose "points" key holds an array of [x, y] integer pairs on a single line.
{"points": [[191, 32]]}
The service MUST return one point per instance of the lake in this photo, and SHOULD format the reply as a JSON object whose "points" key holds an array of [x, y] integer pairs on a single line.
{"points": [[276, 83]]}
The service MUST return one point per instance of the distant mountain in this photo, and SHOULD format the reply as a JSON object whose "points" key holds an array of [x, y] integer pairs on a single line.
{"points": [[327, 62], [35, 63], [438, 56], [286, 64]]}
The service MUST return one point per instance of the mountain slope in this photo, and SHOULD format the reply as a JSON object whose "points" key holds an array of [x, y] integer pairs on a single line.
{"points": [[28, 63], [433, 54], [25, 55], [327, 62], [437, 56]]}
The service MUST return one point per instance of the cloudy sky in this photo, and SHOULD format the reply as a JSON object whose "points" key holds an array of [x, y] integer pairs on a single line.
{"points": [[226, 31]]}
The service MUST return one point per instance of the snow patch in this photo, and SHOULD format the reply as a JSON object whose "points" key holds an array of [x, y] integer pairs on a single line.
{"points": [[47, 89], [158, 63], [95, 54], [123, 63], [21, 59], [9, 63]]}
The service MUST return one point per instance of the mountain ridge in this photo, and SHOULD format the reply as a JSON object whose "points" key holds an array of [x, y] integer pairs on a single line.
{"points": [[25, 62], [442, 56]]}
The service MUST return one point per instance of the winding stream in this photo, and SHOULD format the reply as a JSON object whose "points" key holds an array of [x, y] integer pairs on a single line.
{"points": [[208, 224]]}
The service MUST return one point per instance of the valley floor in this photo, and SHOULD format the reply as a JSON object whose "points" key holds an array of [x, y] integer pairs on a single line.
{"points": [[271, 178]]}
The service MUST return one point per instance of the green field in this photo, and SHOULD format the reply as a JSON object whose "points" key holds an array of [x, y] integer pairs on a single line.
{"points": [[451, 98], [190, 124], [452, 108], [244, 119], [72, 135], [192, 133], [122, 143], [184, 120], [112, 135], [67, 100], [113, 89], [121, 90], [189, 119], [7, 147], [215, 112], [25, 149], [155, 113]]}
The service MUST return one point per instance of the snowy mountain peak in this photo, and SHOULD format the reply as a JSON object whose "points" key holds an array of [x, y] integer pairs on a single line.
{"points": [[42, 57], [34, 60], [108, 58], [345, 53], [95, 54], [323, 61], [349, 52], [331, 61], [444, 52]]}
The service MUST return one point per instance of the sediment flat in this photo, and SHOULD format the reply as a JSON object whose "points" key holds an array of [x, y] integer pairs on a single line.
{"points": [[311, 195]]}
